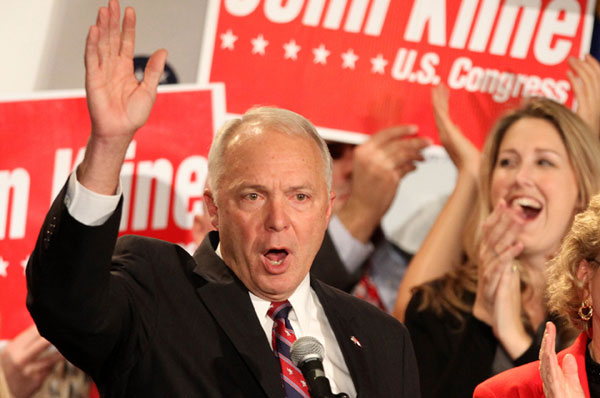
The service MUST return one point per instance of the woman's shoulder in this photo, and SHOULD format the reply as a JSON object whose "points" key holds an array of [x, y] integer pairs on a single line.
{"points": [[522, 381]]}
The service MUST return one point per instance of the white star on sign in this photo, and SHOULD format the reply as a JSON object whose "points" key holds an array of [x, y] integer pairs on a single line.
{"points": [[290, 371], [291, 50], [228, 40], [378, 64], [24, 264], [303, 383], [321, 54], [287, 333], [3, 266], [349, 59], [259, 44]]}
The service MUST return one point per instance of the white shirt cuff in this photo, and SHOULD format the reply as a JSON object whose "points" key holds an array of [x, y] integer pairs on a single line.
{"points": [[352, 252], [88, 207]]}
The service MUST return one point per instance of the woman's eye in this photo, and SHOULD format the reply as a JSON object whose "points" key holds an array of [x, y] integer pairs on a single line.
{"points": [[545, 162], [504, 162]]}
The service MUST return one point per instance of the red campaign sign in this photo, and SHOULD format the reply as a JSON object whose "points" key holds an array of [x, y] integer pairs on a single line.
{"points": [[357, 66], [41, 141]]}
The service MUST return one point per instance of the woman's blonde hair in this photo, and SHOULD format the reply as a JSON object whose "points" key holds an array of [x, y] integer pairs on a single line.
{"points": [[565, 290], [583, 148]]}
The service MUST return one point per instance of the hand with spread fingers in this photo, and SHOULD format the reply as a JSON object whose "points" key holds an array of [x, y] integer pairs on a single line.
{"points": [[379, 166], [117, 102], [26, 362], [558, 382], [584, 76], [498, 298]]}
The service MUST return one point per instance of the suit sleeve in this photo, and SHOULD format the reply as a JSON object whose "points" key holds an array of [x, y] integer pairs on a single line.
{"points": [[71, 296]]}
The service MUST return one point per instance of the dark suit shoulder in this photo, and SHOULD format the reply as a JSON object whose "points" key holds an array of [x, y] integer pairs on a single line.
{"points": [[134, 251]]}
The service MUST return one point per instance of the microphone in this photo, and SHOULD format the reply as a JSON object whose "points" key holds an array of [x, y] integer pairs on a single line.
{"points": [[307, 354]]}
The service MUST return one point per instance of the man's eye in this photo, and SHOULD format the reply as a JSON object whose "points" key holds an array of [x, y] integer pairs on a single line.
{"points": [[252, 196], [301, 197]]}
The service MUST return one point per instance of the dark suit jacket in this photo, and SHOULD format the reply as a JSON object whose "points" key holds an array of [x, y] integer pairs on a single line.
{"points": [[145, 319], [329, 268]]}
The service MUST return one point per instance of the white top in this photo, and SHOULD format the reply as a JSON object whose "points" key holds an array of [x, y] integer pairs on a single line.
{"points": [[307, 316]]}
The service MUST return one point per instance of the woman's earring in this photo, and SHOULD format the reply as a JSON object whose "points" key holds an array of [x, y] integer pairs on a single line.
{"points": [[585, 311]]}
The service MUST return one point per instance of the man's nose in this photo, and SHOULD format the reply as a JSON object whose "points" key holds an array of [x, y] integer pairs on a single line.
{"points": [[277, 217]]}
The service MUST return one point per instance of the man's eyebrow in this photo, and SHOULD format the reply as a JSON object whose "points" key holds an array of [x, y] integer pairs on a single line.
{"points": [[301, 187], [239, 185]]}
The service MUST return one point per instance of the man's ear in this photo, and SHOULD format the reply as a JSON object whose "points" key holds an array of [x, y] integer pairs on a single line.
{"points": [[330, 204], [585, 273], [211, 206]]}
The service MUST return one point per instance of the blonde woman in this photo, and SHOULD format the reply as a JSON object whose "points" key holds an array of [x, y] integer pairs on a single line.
{"points": [[540, 165]]}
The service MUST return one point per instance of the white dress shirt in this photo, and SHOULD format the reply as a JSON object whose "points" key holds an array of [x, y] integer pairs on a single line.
{"points": [[307, 316]]}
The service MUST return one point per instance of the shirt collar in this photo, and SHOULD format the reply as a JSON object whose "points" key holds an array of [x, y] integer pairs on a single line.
{"points": [[301, 305]]}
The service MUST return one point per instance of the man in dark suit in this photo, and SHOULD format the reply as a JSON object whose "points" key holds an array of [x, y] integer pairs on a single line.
{"points": [[356, 256], [146, 319]]}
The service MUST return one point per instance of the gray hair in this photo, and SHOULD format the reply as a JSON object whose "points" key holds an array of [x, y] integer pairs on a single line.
{"points": [[260, 119]]}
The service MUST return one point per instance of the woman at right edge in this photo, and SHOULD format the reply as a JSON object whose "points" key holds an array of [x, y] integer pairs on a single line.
{"points": [[540, 166]]}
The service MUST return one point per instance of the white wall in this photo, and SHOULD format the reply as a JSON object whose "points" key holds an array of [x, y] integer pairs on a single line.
{"points": [[24, 26], [42, 41]]}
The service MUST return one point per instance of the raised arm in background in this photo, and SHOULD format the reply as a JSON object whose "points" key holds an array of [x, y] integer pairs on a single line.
{"points": [[585, 82], [442, 248]]}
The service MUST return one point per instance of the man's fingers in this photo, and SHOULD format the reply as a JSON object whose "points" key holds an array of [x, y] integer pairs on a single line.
{"points": [[91, 51], [114, 27], [154, 69], [103, 35], [128, 34]]}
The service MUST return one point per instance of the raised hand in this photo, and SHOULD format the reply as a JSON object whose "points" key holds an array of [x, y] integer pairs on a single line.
{"points": [[379, 165], [461, 150], [498, 297], [558, 382], [117, 103], [585, 81], [26, 362]]}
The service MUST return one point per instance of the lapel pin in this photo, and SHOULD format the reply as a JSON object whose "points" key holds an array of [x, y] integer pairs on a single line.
{"points": [[355, 341]]}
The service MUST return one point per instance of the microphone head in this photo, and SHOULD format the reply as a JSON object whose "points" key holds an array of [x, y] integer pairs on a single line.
{"points": [[306, 348]]}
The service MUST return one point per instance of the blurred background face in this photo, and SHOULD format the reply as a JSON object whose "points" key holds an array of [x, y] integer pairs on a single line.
{"points": [[533, 173], [272, 211], [343, 164]]}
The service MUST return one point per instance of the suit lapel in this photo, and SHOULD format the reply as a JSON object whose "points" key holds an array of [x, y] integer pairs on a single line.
{"points": [[228, 301], [349, 338]]}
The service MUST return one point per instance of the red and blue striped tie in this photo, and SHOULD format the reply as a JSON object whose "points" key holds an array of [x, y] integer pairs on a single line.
{"points": [[283, 338]]}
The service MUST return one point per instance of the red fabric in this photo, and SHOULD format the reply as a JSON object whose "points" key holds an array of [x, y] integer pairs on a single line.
{"points": [[94, 392], [525, 381]]}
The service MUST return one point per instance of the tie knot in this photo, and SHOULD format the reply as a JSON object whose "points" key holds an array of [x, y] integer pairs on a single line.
{"points": [[279, 309]]}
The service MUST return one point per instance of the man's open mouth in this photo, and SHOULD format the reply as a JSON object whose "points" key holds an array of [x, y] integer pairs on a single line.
{"points": [[276, 256]]}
